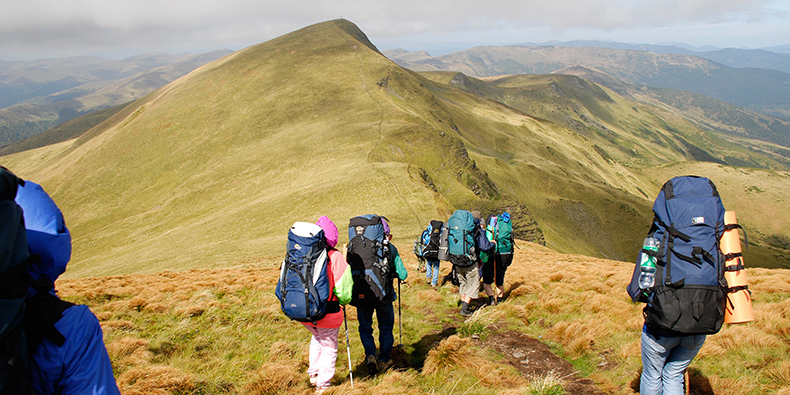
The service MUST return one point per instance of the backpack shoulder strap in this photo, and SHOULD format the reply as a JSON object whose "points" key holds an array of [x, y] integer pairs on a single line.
{"points": [[43, 311]]}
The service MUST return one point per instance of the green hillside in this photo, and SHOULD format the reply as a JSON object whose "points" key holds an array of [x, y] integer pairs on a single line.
{"points": [[212, 169]]}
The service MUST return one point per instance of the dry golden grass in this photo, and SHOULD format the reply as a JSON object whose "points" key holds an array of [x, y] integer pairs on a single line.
{"points": [[222, 332], [273, 378]]}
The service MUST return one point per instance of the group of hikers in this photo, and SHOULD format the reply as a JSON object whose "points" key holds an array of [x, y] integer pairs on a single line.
{"points": [[679, 275], [50, 346], [317, 280]]}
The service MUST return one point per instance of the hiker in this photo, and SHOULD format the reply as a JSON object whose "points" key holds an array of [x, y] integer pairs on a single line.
{"points": [[417, 250], [679, 277], [485, 248], [323, 343], [65, 340], [377, 295], [430, 240], [464, 243], [494, 269]]}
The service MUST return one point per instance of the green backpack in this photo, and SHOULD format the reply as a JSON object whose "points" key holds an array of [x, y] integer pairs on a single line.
{"points": [[504, 234]]}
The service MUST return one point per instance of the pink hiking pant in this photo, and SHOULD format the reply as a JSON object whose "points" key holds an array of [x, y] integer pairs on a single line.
{"points": [[323, 354]]}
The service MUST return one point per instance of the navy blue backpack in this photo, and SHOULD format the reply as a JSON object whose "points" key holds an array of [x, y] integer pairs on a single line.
{"points": [[303, 288], [689, 292]]}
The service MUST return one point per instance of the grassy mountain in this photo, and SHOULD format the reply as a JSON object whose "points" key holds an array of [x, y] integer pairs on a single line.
{"points": [[760, 90], [38, 95], [212, 169]]}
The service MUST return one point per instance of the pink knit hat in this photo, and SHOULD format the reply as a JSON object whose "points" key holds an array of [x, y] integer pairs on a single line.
{"points": [[330, 231]]}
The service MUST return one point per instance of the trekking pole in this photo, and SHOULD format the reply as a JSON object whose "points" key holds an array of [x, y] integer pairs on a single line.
{"points": [[348, 348], [400, 325]]}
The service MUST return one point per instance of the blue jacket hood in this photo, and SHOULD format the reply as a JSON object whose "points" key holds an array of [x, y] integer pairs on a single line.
{"points": [[47, 234]]}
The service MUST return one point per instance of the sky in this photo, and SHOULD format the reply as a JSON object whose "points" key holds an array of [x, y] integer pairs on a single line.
{"points": [[32, 29]]}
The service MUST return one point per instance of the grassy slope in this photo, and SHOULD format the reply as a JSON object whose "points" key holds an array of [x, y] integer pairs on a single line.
{"points": [[221, 331]]}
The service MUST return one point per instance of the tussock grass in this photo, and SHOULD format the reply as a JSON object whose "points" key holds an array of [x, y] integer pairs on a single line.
{"points": [[546, 385], [241, 343]]}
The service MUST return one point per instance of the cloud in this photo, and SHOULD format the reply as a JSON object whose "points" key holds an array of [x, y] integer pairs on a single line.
{"points": [[95, 25]]}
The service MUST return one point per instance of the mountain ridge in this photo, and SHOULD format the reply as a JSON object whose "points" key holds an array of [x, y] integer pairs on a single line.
{"points": [[759, 90]]}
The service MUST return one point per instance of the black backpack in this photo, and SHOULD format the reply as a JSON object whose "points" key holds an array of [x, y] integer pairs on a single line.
{"points": [[369, 259], [431, 240]]}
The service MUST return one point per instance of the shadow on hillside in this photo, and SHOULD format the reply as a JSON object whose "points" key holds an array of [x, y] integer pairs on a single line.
{"points": [[698, 383], [416, 359]]}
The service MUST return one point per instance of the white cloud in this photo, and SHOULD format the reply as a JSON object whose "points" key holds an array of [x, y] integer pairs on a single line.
{"points": [[95, 26]]}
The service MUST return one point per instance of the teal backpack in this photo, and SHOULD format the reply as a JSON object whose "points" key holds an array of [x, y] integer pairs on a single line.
{"points": [[504, 234], [461, 238]]}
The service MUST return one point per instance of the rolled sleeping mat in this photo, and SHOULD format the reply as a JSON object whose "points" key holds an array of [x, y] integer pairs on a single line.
{"points": [[738, 306], [444, 243]]}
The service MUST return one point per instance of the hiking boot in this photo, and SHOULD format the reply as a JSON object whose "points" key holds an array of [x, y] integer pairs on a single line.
{"points": [[383, 366], [372, 362], [465, 310], [491, 301]]}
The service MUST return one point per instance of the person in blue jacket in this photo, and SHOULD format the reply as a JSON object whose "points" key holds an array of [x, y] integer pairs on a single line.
{"points": [[72, 359]]}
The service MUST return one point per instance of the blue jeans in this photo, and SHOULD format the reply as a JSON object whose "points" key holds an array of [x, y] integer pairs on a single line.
{"points": [[664, 361], [386, 317], [432, 271]]}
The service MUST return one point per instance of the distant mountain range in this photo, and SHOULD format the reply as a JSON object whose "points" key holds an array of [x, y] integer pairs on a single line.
{"points": [[39, 94], [734, 76], [775, 58]]}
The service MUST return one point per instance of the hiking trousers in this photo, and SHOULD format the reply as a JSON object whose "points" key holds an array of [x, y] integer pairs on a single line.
{"points": [[323, 354], [664, 361], [469, 280], [385, 314], [432, 272]]}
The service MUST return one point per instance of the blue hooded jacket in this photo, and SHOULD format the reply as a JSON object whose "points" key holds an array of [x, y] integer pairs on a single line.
{"points": [[81, 365]]}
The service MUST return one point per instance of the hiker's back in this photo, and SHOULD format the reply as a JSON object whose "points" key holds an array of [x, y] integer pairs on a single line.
{"points": [[369, 258], [303, 287], [504, 234], [13, 259], [688, 295], [431, 237], [461, 238], [64, 339]]}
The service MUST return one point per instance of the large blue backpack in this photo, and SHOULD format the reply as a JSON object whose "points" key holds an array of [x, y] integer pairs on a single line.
{"points": [[303, 287], [689, 292], [462, 238], [368, 256]]}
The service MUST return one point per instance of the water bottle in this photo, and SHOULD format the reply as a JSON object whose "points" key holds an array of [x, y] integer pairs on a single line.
{"points": [[647, 267]]}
